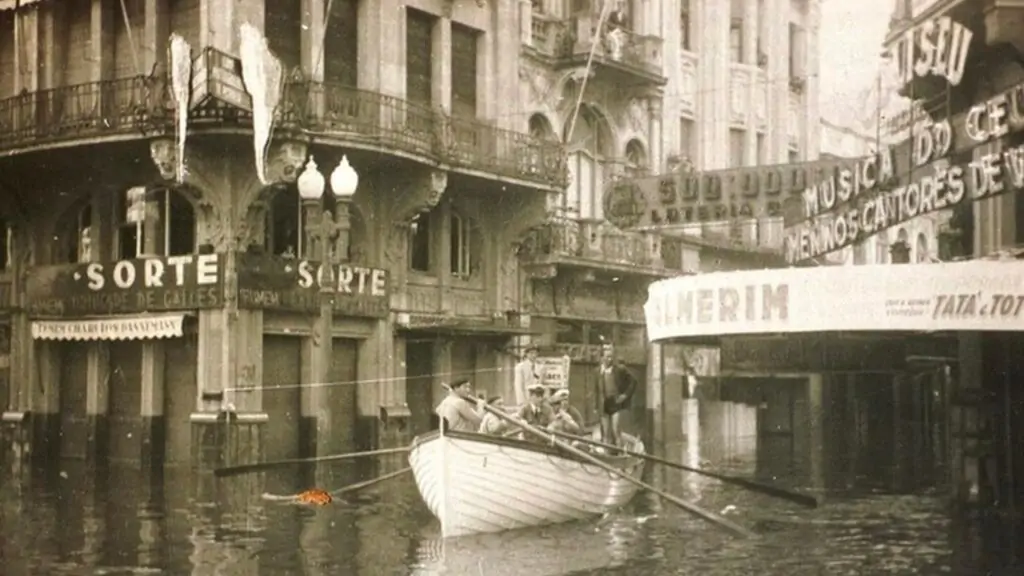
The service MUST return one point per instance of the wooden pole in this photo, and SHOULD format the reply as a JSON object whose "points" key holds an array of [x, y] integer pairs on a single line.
{"points": [[259, 466], [804, 499]]}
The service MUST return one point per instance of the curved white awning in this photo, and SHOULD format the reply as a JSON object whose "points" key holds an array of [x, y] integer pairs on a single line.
{"points": [[146, 327], [982, 295]]}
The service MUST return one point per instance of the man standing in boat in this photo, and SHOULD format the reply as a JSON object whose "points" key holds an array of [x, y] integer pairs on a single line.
{"points": [[456, 412], [526, 375], [617, 387]]}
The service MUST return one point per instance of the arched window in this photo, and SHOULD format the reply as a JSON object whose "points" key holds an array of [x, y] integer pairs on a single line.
{"points": [[540, 128], [285, 224], [463, 243], [589, 147], [419, 243], [921, 250], [636, 159], [155, 222], [73, 234]]}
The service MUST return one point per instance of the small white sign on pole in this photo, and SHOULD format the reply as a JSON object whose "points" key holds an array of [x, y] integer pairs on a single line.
{"points": [[553, 371]]}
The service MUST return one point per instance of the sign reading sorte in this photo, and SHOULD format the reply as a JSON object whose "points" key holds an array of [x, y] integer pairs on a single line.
{"points": [[159, 283], [975, 295], [275, 283], [848, 217]]}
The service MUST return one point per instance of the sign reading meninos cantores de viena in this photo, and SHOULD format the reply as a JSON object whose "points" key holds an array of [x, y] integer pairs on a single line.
{"points": [[843, 216]]}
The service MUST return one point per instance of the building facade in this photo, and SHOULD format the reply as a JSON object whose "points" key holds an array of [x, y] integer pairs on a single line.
{"points": [[145, 313], [635, 89], [975, 72]]}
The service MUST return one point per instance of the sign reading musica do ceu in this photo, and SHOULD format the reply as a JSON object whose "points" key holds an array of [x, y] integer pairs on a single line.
{"points": [[273, 283], [972, 295], [848, 217], [159, 283]]}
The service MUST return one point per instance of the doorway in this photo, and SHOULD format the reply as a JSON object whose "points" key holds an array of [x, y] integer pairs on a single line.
{"points": [[419, 394], [282, 360]]}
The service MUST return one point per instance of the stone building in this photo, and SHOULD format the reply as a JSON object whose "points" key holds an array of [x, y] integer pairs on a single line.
{"points": [[148, 317], [975, 73], [699, 83]]}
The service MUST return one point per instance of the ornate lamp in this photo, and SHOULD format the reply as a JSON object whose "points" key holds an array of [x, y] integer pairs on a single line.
{"points": [[344, 180], [311, 182]]}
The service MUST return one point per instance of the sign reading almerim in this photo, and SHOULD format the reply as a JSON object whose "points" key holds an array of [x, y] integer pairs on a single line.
{"points": [[974, 295], [842, 214]]}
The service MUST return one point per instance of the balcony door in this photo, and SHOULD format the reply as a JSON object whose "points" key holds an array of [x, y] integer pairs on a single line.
{"points": [[590, 146]]}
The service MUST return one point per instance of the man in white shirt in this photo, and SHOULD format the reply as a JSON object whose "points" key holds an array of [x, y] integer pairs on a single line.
{"points": [[456, 411], [526, 375]]}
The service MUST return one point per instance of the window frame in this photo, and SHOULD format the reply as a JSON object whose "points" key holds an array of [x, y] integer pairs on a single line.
{"points": [[425, 218], [460, 239], [160, 200]]}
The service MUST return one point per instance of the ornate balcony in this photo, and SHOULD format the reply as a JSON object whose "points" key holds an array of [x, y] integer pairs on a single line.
{"points": [[78, 113], [619, 51], [333, 113], [595, 245]]}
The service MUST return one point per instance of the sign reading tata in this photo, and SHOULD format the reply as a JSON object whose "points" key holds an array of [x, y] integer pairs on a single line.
{"points": [[273, 283], [158, 283]]}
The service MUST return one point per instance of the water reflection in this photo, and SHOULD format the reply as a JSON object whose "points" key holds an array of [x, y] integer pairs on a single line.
{"points": [[73, 519]]}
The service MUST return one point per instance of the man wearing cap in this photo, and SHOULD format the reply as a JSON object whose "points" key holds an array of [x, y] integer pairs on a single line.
{"points": [[536, 412], [526, 375], [617, 386], [456, 411], [567, 418]]}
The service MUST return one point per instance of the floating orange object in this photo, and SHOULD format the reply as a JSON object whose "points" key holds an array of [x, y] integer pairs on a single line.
{"points": [[315, 497]]}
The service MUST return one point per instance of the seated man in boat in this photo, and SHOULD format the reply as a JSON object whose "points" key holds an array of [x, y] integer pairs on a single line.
{"points": [[617, 386], [536, 411], [457, 411], [495, 425], [567, 418]]}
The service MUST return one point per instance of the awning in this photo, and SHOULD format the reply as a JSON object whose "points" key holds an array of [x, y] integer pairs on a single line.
{"points": [[982, 295], [119, 328]]}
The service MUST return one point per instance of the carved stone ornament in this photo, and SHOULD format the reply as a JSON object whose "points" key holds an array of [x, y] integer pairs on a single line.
{"points": [[230, 208], [419, 196], [636, 115], [540, 87]]}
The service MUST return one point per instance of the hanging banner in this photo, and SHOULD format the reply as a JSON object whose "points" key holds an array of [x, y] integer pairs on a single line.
{"points": [[129, 328], [553, 371], [881, 193], [982, 295]]}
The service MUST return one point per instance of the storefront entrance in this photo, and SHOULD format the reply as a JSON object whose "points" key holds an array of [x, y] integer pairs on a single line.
{"points": [[282, 361]]}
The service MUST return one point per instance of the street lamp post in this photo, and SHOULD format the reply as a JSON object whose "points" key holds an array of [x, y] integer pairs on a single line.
{"points": [[322, 229]]}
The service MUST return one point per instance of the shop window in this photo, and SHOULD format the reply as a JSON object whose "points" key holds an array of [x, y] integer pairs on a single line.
{"points": [[419, 244], [73, 235], [155, 223], [462, 241]]}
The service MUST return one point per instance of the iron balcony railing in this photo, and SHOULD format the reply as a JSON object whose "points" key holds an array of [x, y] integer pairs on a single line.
{"points": [[601, 242], [140, 104], [95, 109]]}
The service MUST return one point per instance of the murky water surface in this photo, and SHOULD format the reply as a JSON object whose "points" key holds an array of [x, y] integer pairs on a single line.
{"points": [[70, 520]]}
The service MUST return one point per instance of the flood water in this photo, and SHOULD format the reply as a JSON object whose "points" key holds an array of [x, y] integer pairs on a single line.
{"points": [[71, 520]]}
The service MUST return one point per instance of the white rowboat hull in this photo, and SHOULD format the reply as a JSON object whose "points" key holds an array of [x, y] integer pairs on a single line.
{"points": [[477, 484]]}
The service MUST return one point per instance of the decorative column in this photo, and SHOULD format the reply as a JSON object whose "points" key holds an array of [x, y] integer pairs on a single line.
{"points": [[229, 203], [654, 135]]}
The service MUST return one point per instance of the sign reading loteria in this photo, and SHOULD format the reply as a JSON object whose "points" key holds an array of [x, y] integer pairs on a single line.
{"points": [[974, 295]]}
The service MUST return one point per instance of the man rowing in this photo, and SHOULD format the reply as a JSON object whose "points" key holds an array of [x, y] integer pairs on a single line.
{"points": [[457, 411]]}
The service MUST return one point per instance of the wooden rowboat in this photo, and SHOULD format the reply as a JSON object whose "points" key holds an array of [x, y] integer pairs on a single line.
{"points": [[476, 483]]}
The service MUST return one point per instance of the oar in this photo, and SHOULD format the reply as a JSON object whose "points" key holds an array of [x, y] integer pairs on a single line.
{"points": [[246, 468], [767, 489], [370, 482], [692, 509]]}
